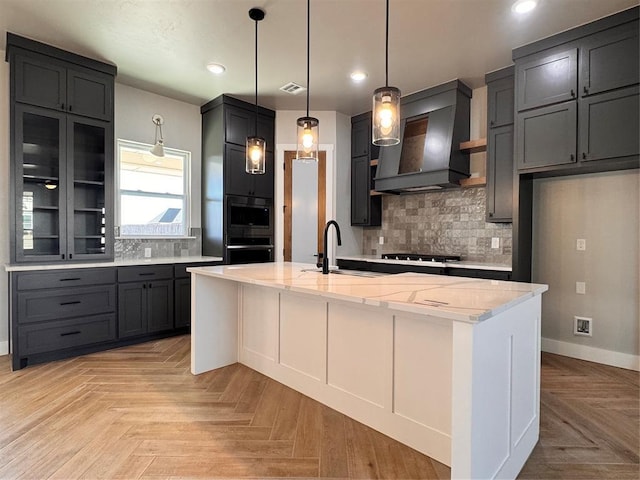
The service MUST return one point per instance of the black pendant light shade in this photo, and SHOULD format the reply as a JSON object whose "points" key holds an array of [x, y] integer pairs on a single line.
{"points": [[256, 146], [386, 105], [307, 127]]}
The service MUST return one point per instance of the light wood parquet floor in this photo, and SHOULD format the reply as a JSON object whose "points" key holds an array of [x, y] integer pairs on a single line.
{"points": [[137, 412]]}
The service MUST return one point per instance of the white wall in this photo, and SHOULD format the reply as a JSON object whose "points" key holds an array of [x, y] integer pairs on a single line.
{"points": [[335, 139], [182, 129], [4, 202], [603, 209]]}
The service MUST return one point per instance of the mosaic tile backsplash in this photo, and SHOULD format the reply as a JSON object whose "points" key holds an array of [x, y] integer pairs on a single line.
{"points": [[133, 249], [448, 222]]}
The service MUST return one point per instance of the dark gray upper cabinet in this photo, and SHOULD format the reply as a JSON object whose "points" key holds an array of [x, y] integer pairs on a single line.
{"points": [[49, 83], [547, 78], [500, 166], [240, 124], [238, 182], [61, 154], [609, 125], [500, 101], [366, 209], [609, 60], [360, 137], [547, 136], [566, 123]]}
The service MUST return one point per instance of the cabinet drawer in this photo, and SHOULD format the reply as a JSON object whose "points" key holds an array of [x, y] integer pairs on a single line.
{"points": [[62, 334], [144, 273], [65, 303], [66, 278]]}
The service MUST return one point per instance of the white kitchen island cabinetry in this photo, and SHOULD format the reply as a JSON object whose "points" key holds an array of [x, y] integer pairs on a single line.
{"points": [[449, 366]]}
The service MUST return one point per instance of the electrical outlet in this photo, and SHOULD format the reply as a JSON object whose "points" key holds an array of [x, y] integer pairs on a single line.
{"points": [[147, 252], [495, 242], [583, 326], [581, 244], [581, 288], [381, 240]]}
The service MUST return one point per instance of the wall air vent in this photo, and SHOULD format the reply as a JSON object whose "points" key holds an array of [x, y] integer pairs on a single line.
{"points": [[292, 88]]}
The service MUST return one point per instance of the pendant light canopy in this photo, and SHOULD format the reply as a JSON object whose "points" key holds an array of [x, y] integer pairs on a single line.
{"points": [[158, 146], [386, 105], [256, 146], [307, 127]]}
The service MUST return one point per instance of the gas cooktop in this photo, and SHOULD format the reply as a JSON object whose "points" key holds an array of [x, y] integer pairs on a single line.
{"points": [[421, 257]]}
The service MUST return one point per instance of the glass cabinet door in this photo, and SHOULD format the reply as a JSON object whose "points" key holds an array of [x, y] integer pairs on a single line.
{"points": [[89, 143], [40, 206]]}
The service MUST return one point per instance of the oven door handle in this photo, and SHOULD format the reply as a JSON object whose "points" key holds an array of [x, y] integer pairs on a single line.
{"points": [[249, 247]]}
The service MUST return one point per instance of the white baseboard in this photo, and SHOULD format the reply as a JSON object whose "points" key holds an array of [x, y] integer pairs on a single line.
{"points": [[591, 354], [4, 348]]}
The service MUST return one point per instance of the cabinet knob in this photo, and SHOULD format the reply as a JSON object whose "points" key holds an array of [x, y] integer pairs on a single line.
{"points": [[573, 93], [492, 123], [584, 155], [585, 89], [572, 157], [491, 214], [70, 108], [62, 106]]}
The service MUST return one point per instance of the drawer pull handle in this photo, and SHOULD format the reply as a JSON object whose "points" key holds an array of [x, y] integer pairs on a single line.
{"points": [[148, 274], [70, 333], [70, 279], [75, 302]]}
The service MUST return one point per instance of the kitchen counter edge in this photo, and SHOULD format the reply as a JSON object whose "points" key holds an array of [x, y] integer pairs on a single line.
{"points": [[115, 263]]}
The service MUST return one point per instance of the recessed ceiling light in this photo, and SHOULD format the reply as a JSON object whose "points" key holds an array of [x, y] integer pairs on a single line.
{"points": [[524, 6], [358, 76], [216, 68]]}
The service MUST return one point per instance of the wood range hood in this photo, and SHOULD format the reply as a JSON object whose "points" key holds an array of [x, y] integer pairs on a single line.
{"points": [[433, 123]]}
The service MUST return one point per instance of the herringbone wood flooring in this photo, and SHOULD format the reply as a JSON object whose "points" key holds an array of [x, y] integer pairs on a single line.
{"points": [[137, 412]]}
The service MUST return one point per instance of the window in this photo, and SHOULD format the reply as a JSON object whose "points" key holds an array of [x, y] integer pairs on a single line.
{"points": [[153, 192]]}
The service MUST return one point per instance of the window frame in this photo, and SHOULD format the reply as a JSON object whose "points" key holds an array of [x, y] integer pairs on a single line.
{"points": [[186, 179]]}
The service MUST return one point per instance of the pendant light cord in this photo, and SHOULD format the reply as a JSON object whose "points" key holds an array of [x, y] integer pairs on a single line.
{"points": [[386, 50], [308, 37], [256, 65]]}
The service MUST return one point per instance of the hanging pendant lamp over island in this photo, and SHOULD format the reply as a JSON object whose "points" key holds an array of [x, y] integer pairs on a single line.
{"points": [[386, 105], [307, 127], [256, 146]]}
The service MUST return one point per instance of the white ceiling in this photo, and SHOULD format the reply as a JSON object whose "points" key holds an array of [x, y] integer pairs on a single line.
{"points": [[163, 45]]}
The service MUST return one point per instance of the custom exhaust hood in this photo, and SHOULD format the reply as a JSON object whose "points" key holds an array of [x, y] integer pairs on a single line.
{"points": [[433, 123]]}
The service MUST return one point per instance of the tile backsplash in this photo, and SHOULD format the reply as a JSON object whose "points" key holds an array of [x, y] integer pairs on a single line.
{"points": [[133, 249], [448, 222]]}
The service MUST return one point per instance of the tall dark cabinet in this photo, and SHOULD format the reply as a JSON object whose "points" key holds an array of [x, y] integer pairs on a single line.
{"points": [[232, 199], [500, 168], [61, 154], [366, 205]]}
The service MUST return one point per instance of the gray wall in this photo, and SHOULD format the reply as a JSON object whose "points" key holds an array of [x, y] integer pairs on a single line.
{"points": [[447, 222], [182, 129], [4, 201], [603, 209]]}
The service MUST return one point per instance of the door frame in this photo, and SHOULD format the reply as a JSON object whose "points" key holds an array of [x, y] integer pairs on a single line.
{"points": [[289, 158]]}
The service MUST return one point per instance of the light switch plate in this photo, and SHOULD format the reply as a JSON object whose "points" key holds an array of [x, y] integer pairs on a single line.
{"points": [[581, 244], [495, 242], [147, 252], [581, 288], [381, 240]]}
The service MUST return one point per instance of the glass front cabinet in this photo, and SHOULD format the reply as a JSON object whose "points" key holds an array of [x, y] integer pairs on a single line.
{"points": [[62, 155], [61, 180]]}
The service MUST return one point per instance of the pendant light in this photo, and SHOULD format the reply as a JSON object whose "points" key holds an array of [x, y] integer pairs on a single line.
{"points": [[386, 105], [158, 147], [307, 126], [256, 146]]}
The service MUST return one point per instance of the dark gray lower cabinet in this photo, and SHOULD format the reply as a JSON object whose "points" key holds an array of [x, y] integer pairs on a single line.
{"points": [[67, 312], [183, 302], [145, 306]]}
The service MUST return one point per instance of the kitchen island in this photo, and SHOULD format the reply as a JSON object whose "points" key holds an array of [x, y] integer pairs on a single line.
{"points": [[449, 366]]}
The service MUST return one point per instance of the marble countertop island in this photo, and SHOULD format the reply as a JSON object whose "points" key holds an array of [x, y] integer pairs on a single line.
{"points": [[439, 363], [462, 299]]}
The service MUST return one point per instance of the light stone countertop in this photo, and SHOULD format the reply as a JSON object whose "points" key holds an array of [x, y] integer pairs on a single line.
{"points": [[464, 299], [461, 264], [115, 263]]}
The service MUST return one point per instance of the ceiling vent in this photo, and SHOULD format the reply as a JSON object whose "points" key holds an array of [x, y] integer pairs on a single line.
{"points": [[292, 88]]}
